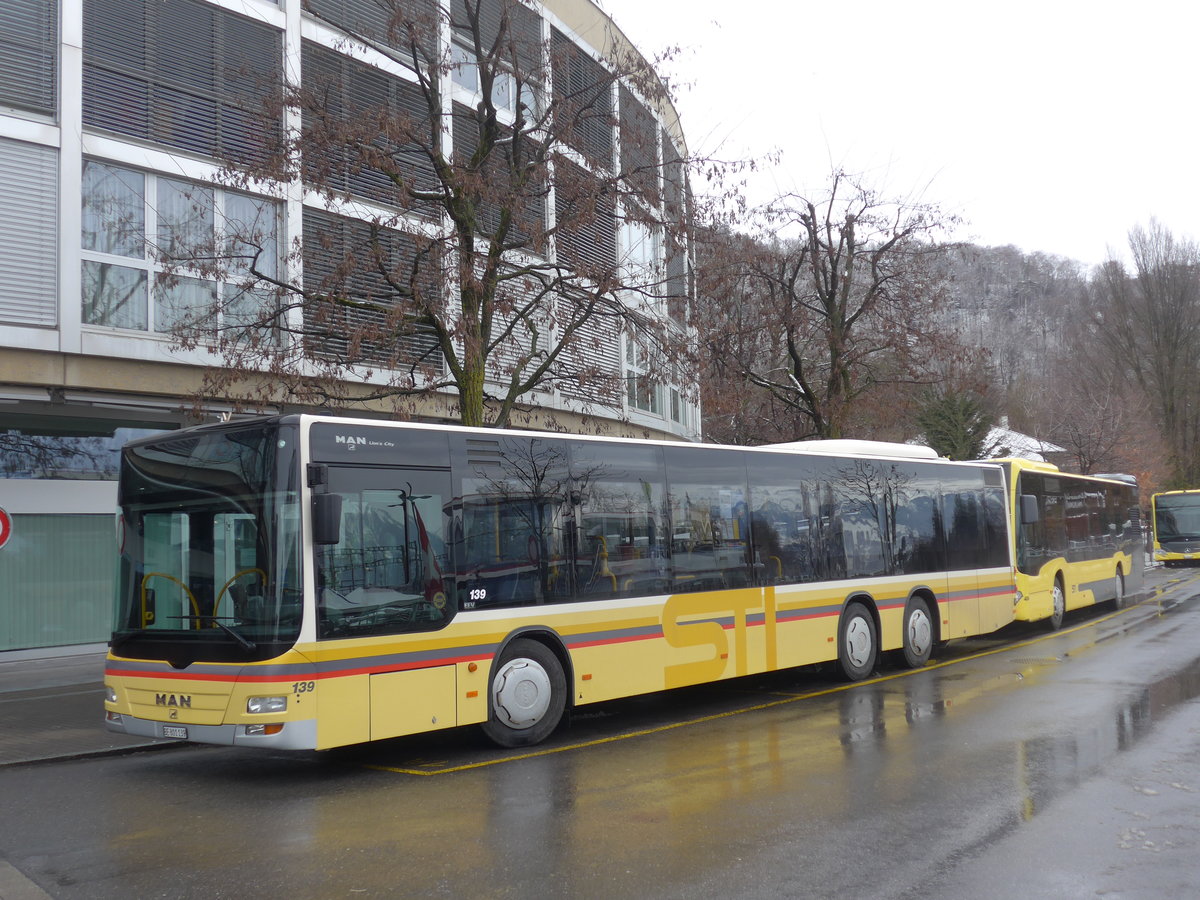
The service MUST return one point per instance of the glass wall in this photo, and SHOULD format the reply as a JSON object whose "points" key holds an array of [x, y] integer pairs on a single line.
{"points": [[58, 486], [56, 575]]}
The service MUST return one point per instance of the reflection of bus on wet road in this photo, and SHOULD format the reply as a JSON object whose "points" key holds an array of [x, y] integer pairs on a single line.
{"points": [[1175, 516], [1078, 539], [310, 582]]}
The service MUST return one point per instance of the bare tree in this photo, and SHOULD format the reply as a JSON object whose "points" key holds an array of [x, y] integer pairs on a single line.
{"points": [[472, 226], [1148, 323], [820, 320], [732, 321]]}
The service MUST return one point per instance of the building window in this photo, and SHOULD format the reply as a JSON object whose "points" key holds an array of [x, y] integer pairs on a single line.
{"points": [[160, 254], [644, 391], [183, 73], [642, 256], [29, 55], [679, 409], [465, 70], [520, 54]]}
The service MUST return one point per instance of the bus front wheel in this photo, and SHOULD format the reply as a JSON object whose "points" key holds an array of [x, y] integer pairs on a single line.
{"points": [[1119, 600], [857, 643], [918, 633], [528, 695]]}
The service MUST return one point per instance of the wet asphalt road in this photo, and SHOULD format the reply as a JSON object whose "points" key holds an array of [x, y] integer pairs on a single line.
{"points": [[1021, 765]]}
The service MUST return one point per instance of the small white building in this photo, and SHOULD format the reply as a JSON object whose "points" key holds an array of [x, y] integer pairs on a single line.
{"points": [[1003, 441]]}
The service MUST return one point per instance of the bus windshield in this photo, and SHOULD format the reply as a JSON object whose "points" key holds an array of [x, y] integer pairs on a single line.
{"points": [[1177, 518], [209, 534]]}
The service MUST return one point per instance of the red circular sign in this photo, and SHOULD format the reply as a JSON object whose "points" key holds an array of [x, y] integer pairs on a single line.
{"points": [[5, 527]]}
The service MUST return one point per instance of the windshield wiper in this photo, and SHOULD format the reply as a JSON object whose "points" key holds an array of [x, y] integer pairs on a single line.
{"points": [[246, 644]]}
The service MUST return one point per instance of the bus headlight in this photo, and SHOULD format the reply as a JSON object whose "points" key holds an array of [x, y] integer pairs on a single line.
{"points": [[259, 705], [110, 694]]}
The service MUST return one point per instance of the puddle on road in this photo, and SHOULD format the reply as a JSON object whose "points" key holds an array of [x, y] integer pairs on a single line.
{"points": [[1054, 765]]}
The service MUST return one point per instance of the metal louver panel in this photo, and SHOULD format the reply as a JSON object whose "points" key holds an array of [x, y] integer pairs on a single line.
{"points": [[339, 262], [386, 23], [28, 234], [499, 190], [586, 219], [597, 358], [523, 38], [182, 73], [28, 54], [343, 92], [639, 147], [582, 90]]}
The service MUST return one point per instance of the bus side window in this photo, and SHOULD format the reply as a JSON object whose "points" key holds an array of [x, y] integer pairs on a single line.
{"points": [[621, 548], [710, 528]]}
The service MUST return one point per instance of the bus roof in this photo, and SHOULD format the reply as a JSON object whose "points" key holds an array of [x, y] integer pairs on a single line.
{"points": [[1017, 462], [846, 447], [835, 448]]}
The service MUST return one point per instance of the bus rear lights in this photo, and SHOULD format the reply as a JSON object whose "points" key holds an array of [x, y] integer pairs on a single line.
{"points": [[259, 705], [260, 730]]}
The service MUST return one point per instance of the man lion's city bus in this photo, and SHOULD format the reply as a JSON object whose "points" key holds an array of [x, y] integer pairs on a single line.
{"points": [[309, 582], [1175, 517], [1078, 539]]}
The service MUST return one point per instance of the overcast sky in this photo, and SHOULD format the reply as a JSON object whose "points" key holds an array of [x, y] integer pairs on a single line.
{"points": [[1055, 126]]}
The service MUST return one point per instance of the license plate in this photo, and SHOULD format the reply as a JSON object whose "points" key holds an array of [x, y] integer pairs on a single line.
{"points": [[175, 731]]}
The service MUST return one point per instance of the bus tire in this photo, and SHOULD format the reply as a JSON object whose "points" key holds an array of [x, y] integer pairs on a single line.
{"points": [[527, 696], [1058, 605], [918, 633], [1119, 600], [858, 643]]}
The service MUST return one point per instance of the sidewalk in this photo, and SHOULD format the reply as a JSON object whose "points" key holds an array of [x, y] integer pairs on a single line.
{"points": [[53, 707]]}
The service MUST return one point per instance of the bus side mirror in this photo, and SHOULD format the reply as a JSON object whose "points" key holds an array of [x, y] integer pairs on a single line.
{"points": [[1029, 509], [327, 518]]}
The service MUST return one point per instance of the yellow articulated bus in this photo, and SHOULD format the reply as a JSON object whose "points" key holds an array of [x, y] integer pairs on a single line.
{"points": [[306, 582], [1078, 539], [1175, 516]]}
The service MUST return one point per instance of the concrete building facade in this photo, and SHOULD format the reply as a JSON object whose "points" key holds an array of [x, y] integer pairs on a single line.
{"points": [[115, 116]]}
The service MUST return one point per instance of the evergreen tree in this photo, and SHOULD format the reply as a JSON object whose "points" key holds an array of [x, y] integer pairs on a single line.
{"points": [[956, 424]]}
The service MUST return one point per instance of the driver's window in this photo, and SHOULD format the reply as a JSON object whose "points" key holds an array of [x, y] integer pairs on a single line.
{"points": [[388, 572]]}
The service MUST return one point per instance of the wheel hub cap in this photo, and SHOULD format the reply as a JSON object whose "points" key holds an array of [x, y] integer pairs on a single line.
{"points": [[521, 693], [920, 632], [858, 642]]}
